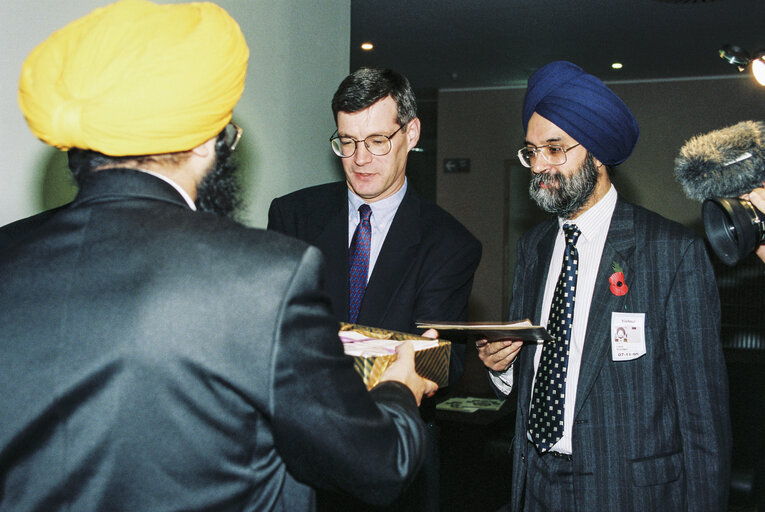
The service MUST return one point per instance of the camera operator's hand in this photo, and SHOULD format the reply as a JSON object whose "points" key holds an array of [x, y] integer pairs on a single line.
{"points": [[757, 197]]}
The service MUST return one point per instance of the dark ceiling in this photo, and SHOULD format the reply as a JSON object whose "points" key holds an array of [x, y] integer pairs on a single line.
{"points": [[492, 43]]}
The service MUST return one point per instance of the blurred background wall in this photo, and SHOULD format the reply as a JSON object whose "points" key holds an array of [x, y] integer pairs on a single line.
{"points": [[299, 53]]}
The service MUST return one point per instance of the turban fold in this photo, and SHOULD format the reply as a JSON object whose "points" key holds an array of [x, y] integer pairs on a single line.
{"points": [[582, 106], [136, 78]]}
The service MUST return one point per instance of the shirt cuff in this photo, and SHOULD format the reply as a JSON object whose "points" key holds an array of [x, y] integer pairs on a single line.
{"points": [[503, 381]]}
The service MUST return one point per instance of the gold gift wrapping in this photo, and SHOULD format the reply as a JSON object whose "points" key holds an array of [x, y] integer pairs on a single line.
{"points": [[431, 363]]}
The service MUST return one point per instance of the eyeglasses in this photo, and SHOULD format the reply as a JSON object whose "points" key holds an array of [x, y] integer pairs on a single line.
{"points": [[230, 136], [553, 154], [378, 145]]}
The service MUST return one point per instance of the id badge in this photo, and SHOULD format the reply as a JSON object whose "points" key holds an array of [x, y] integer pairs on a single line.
{"points": [[627, 336]]}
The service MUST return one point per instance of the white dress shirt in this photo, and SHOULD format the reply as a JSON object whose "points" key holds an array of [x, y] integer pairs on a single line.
{"points": [[593, 224], [381, 219]]}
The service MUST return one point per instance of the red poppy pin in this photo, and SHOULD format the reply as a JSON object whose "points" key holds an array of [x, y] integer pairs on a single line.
{"points": [[618, 286]]}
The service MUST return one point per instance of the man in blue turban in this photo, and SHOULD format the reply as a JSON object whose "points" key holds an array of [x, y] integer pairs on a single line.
{"points": [[629, 423]]}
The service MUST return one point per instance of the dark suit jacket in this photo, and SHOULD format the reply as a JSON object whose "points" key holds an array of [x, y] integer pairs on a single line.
{"points": [[424, 270], [13, 233], [154, 358], [652, 433]]}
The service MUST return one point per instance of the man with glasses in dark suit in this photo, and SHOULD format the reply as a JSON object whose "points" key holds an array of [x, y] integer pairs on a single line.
{"points": [[419, 261]]}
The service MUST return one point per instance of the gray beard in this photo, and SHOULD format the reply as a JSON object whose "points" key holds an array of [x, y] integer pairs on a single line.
{"points": [[565, 195]]}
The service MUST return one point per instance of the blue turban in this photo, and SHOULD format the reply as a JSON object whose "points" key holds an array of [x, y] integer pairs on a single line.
{"points": [[582, 106]]}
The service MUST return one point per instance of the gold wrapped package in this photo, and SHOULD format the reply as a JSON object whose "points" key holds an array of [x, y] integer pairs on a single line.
{"points": [[431, 363]]}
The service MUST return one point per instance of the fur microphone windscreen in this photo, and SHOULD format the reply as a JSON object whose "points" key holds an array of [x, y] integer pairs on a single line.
{"points": [[723, 163]]}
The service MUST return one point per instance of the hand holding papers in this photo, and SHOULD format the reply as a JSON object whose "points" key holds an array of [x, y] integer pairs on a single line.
{"points": [[497, 343], [520, 330]]}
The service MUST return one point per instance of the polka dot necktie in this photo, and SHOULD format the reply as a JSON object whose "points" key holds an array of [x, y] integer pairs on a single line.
{"points": [[359, 261], [546, 417]]}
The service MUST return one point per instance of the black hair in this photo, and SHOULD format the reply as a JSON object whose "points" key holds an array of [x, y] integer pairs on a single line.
{"points": [[84, 162]]}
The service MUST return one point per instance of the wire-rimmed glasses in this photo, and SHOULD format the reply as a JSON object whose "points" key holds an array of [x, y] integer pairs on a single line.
{"points": [[378, 145], [231, 135], [554, 154]]}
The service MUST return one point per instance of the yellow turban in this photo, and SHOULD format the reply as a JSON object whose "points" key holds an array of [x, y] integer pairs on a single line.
{"points": [[136, 78]]}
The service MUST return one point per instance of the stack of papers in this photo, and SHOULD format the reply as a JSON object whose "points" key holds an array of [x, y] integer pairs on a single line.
{"points": [[470, 404], [361, 345], [522, 330]]}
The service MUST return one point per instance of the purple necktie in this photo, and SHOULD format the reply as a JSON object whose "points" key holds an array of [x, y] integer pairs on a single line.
{"points": [[358, 255]]}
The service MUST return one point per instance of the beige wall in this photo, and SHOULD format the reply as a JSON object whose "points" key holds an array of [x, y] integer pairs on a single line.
{"points": [[485, 126], [299, 52]]}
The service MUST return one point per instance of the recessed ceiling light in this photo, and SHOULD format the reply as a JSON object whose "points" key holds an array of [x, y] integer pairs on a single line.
{"points": [[367, 46], [617, 65]]}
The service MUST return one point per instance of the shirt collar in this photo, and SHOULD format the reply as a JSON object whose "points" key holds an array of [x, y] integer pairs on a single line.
{"points": [[381, 208], [183, 193], [597, 217]]}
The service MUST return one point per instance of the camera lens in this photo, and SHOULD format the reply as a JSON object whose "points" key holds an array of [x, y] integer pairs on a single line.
{"points": [[733, 227]]}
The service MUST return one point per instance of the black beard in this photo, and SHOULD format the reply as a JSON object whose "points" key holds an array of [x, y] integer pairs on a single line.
{"points": [[220, 190], [570, 194]]}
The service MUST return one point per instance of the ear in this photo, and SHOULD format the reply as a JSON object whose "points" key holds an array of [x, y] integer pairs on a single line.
{"points": [[603, 175], [204, 149], [413, 133], [601, 167]]}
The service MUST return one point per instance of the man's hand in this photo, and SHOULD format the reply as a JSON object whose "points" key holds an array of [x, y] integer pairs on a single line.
{"points": [[498, 355], [757, 197], [430, 333], [402, 370]]}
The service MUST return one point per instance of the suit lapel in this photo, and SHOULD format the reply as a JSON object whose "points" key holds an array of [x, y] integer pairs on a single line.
{"points": [[397, 255], [542, 268], [537, 273], [619, 248]]}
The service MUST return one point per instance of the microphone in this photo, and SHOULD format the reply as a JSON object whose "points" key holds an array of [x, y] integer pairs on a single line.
{"points": [[716, 168], [723, 163]]}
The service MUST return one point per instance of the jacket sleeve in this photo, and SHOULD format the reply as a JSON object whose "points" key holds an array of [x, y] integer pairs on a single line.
{"points": [[329, 430], [700, 380]]}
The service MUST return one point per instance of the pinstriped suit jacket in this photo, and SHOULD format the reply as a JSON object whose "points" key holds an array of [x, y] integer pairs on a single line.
{"points": [[652, 433]]}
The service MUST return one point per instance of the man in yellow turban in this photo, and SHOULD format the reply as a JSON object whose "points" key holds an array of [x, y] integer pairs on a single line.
{"points": [[155, 357]]}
